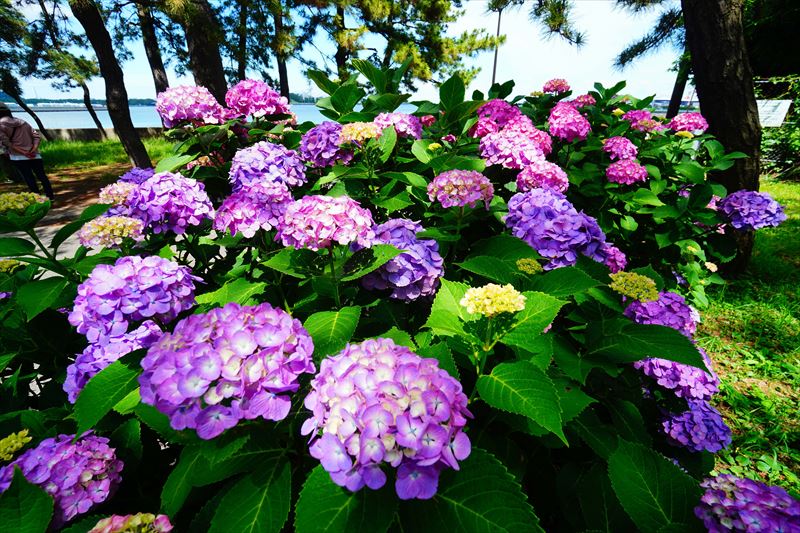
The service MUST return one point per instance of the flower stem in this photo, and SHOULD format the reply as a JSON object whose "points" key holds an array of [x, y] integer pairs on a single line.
{"points": [[333, 277]]}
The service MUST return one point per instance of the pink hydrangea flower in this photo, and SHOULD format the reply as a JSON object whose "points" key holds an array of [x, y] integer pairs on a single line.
{"points": [[259, 205], [620, 148], [692, 122], [542, 173], [186, 103], [316, 222], [567, 123], [556, 86], [404, 124], [626, 171], [460, 188], [256, 98]]}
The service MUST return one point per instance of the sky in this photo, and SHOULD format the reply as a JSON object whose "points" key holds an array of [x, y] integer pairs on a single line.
{"points": [[528, 56]]}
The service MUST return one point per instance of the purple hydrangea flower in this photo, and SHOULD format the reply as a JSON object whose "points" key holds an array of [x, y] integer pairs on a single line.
{"points": [[556, 86], [669, 310], [547, 221], [685, 381], [98, 356], [523, 126], [320, 146], [133, 523], [130, 290], [137, 175], [78, 475], [620, 148], [735, 504], [316, 222], [226, 365], [256, 98], [542, 174], [693, 122], [404, 124], [701, 428], [510, 149], [567, 123], [186, 103], [267, 161], [460, 188], [414, 273], [169, 202], [378, 403], [612, 257], [751, 210], [259, 205], [626, 172]]}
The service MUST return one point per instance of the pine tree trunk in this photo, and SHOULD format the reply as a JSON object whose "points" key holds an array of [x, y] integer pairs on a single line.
{"points": [[20, 102], [87, 13], [203, 35], [724, 81], [151, 48], [680, 86], [87, 101], [241, 48], [341, 52], [280, 55]]}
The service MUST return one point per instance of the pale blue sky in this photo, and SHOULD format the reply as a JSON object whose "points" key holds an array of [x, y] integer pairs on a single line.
{"points": [[527, 56]]}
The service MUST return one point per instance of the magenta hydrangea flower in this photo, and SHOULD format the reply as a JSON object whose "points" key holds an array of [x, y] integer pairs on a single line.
{"points": [[510, 148], [567, 123], [427, 120], [320, 146], [133, 523], [626, 172], [542, 174], [229, 364], [685, 381], [551, 225], [378, 403], [732, 504], [78, 475], [556, 86], [493, 116], [258, 205], [137, 175], [414, 273], [461, 188], [130, 290], [670, 309], [524, 127], [404, 124], [316, 222], [701, 428], [267, 161], [98, 356], [186, 103], [256, 98], [751, 210], [620, 148], [169, 202], [642, 120], [612, 257], [692, 122], [583, 100]]}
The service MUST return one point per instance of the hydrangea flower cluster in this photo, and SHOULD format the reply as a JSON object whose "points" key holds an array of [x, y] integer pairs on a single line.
{"points": [[229, 364], [267, 161], [735, 504], [404, 124], [131, 289], [427, 120], [414, 273], [19, 201], [137, 175], [110, 232], [77, 475], [377, 402], [751, 210], [612, 257], [523, 126], [567, 123], [670, 309], [118, 192], [529, 266], [133, 523], [256, 98], [583, 100], [691, 122], [493, 116], [510, 148], [547, 221], [633, 285], [620, 148], [96, 357], [701, 428], [544, 174], [316, 222], [461, 188], [359, 132], [492, 299], [321, 146], [259, 205], [13, 443], [556, 86], [188, 103], [626, 172], [685, 381], [642, 120], [170, 202]]}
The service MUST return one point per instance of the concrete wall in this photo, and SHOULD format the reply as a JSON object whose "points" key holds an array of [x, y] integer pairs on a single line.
{"points": [[92, 134]]}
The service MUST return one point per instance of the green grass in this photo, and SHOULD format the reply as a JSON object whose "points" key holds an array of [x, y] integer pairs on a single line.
{"points": [[63, 154], [752, 332]]}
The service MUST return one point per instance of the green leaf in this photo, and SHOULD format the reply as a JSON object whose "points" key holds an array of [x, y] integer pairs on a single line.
{"points": [[105, 389], [540, 310], [375, 76], [420, 150], [24, 507], [15, 246], [451, 92], [322, 81], [239, 290], [646, 197], [129, 436], [295, 263], [386, 142], [400, 337], [325, 506], [259, 502], [442, 353], [566, 281], [483, 497], [691, 171], [523, 389], [332, 330], [179, 482], [505, 247], [174, 162], [571, 398], [491, 268], [446, 311], [409, 178], [367, 260], [653, 491], [36, 296], [345, 98]]}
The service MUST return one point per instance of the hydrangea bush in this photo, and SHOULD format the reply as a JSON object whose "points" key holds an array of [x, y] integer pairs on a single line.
{"points": [[457, 314]]}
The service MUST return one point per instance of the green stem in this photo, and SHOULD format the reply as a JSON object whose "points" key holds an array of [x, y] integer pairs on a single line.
{"points": [[333, 277], [56, 264]]}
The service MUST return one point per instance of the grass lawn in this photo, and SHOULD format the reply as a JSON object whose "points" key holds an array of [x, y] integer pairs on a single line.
{"points": [[62, 154], [752, 333]]}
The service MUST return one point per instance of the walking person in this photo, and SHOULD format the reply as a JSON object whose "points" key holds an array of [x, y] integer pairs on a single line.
{"points": [[22, 143]]}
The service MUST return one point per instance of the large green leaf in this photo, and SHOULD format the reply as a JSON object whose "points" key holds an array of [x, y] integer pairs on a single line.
{"points": [[174, 162], [322, 81], [540, 310], [375, 75], [24, 507], [491, 268], [105, 389], [346, 97], [15, 246], [295, 263], [36, 296], [259, 502], [239, 290], [325, 506], [505, 247], [451, 92], [386, 142], [332, 330], [653, 491], [522, 388], [447, 311], [367, 260], [483, 497], [179, 482], [563, 282]]}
